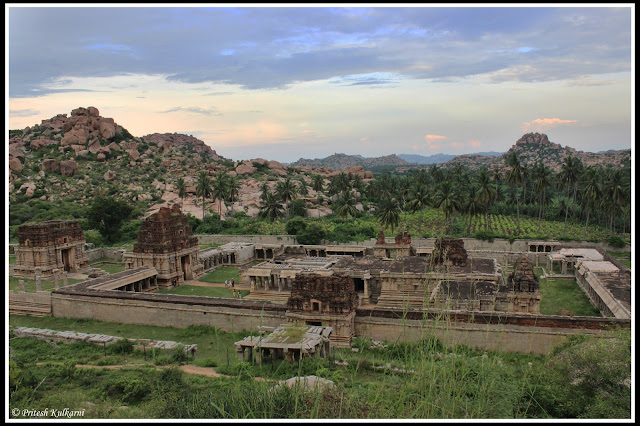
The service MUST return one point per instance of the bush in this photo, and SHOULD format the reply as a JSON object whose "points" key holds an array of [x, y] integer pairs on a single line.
{"points": [[298, 208], [122, 346], [484, 235], [296, 225], [616, 241], [127, 389], [209, 362], [312, 234]]}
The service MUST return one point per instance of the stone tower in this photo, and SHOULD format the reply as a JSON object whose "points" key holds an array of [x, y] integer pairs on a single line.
{"points": [[166, 242]]}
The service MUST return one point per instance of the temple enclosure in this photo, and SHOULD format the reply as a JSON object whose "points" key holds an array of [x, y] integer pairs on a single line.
{"points": [[470, 292]]}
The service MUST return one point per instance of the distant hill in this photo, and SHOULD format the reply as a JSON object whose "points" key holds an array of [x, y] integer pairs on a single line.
{"points": [[533, 147], [344, 161], [439, 158]]}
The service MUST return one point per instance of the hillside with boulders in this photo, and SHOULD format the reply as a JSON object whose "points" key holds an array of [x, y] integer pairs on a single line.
{"points": [[536, 147], [72, 159]]}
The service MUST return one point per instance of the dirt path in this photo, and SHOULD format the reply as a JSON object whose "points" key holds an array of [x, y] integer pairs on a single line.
{"points": [[187, 368]]}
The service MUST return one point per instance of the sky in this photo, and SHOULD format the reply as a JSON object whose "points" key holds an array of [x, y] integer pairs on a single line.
{"points": [[284, 82]]}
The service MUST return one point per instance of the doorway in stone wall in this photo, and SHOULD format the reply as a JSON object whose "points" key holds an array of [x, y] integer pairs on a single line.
{"points": [[67, 260], [185, 262]]}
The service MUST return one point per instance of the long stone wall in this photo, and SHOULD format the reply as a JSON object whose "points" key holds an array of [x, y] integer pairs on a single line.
{"points": [[511, 332], [166, 310], [256, 239], [109, 253]]}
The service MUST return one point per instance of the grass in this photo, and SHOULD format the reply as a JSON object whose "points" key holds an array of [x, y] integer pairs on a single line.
{"points": [[563, 294], [221, 274], [457, 382], [623, 257], [192, 290], [30, 285], [12, 260]]}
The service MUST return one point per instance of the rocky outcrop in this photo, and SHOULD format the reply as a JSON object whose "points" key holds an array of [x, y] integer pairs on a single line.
{"points": [[68, 168], [245, 169], [168, 141], [277, 168], [15, 165], [40, 143], [109, 175], [50, 165]]}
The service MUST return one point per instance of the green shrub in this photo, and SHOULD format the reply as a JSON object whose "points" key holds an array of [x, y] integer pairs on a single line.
{"points": [[616, 241], [296, 225], [122, 346], [484, 235], [127, 389], [162, 360], [209, 362]]}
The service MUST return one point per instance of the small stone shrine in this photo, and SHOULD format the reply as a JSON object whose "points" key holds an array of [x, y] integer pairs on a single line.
{"points": [[449, 251], [324, 300], [49, 246], [523, 289], [289, 341], [523, 278], [166, 242]]}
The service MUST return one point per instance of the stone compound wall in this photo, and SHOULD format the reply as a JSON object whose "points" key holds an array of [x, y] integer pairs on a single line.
{"points": [[520, 333], [255, 239], [161, 311], [109, 253]]}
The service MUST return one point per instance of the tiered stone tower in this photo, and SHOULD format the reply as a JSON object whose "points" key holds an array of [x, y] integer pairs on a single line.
{"points": [[166, 242], [49, 246]]}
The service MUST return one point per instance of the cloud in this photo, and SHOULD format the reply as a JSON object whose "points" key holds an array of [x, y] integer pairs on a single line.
{"points": [[430, 138], [541, 124], [273, 47], [23, 112], [195, 110], [474, 143], [457, 145]]}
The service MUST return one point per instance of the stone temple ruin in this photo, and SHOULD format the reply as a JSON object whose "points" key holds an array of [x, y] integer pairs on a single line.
{"points": [[166, 243], [324, 301], [49, 247]]}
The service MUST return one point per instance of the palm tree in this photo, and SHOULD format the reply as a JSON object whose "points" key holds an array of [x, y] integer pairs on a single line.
{"points": [[591, 191], [514, 178], [473, 206], [203, 188], [345, 205], [448, 199], [220, 190], [303, 187], [486, 193], [570, 175], [342, 182], [233, 187], [541, 175], [287, 191], [181, 186], [615, 195], [358, 184], [419, 198], [317, 183], [264, 190], [270, 207], [388, 213]]}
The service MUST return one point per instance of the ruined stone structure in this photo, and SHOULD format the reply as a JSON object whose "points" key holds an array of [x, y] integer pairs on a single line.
{"points": [[449, 251], [166, 243], [320, 300], [49, 246], [289, 341], [400, 247]]}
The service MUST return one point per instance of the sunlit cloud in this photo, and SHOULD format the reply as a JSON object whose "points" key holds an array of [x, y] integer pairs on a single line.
{"points": [[457, 145], [430, 138], [474, 143], [195, 110], [542, 124], [23, 112]]}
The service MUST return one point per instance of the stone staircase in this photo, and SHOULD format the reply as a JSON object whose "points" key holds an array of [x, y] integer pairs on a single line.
{"points": [[271, 296], [411, 299], [35, 304]]}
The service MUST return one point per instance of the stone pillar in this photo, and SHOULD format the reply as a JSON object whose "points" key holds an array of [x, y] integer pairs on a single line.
{"points": [[21, 286], [65, 279], [564, 266], [252, 282], [279, 285], [56, 277], [366, 288], [38, 279]]}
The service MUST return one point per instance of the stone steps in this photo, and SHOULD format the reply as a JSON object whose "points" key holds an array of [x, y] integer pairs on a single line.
{"points": [[271, 296], [30, 308], [401, 299]]}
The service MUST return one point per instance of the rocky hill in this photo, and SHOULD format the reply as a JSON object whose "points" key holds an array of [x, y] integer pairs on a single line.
{"points": [[344, 161], [533, 147], [68, 160]]}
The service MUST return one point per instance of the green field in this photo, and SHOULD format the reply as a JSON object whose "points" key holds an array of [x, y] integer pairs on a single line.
{"points": [[561, 296], [193, 290], [221, 274]]}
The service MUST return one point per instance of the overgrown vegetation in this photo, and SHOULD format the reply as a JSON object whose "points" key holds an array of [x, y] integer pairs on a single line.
{"points": [[586, 377]]}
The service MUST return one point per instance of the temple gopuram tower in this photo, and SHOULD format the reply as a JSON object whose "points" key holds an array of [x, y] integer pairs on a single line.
{"points": [[166, 242], [50, 245], [324, 300]]}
